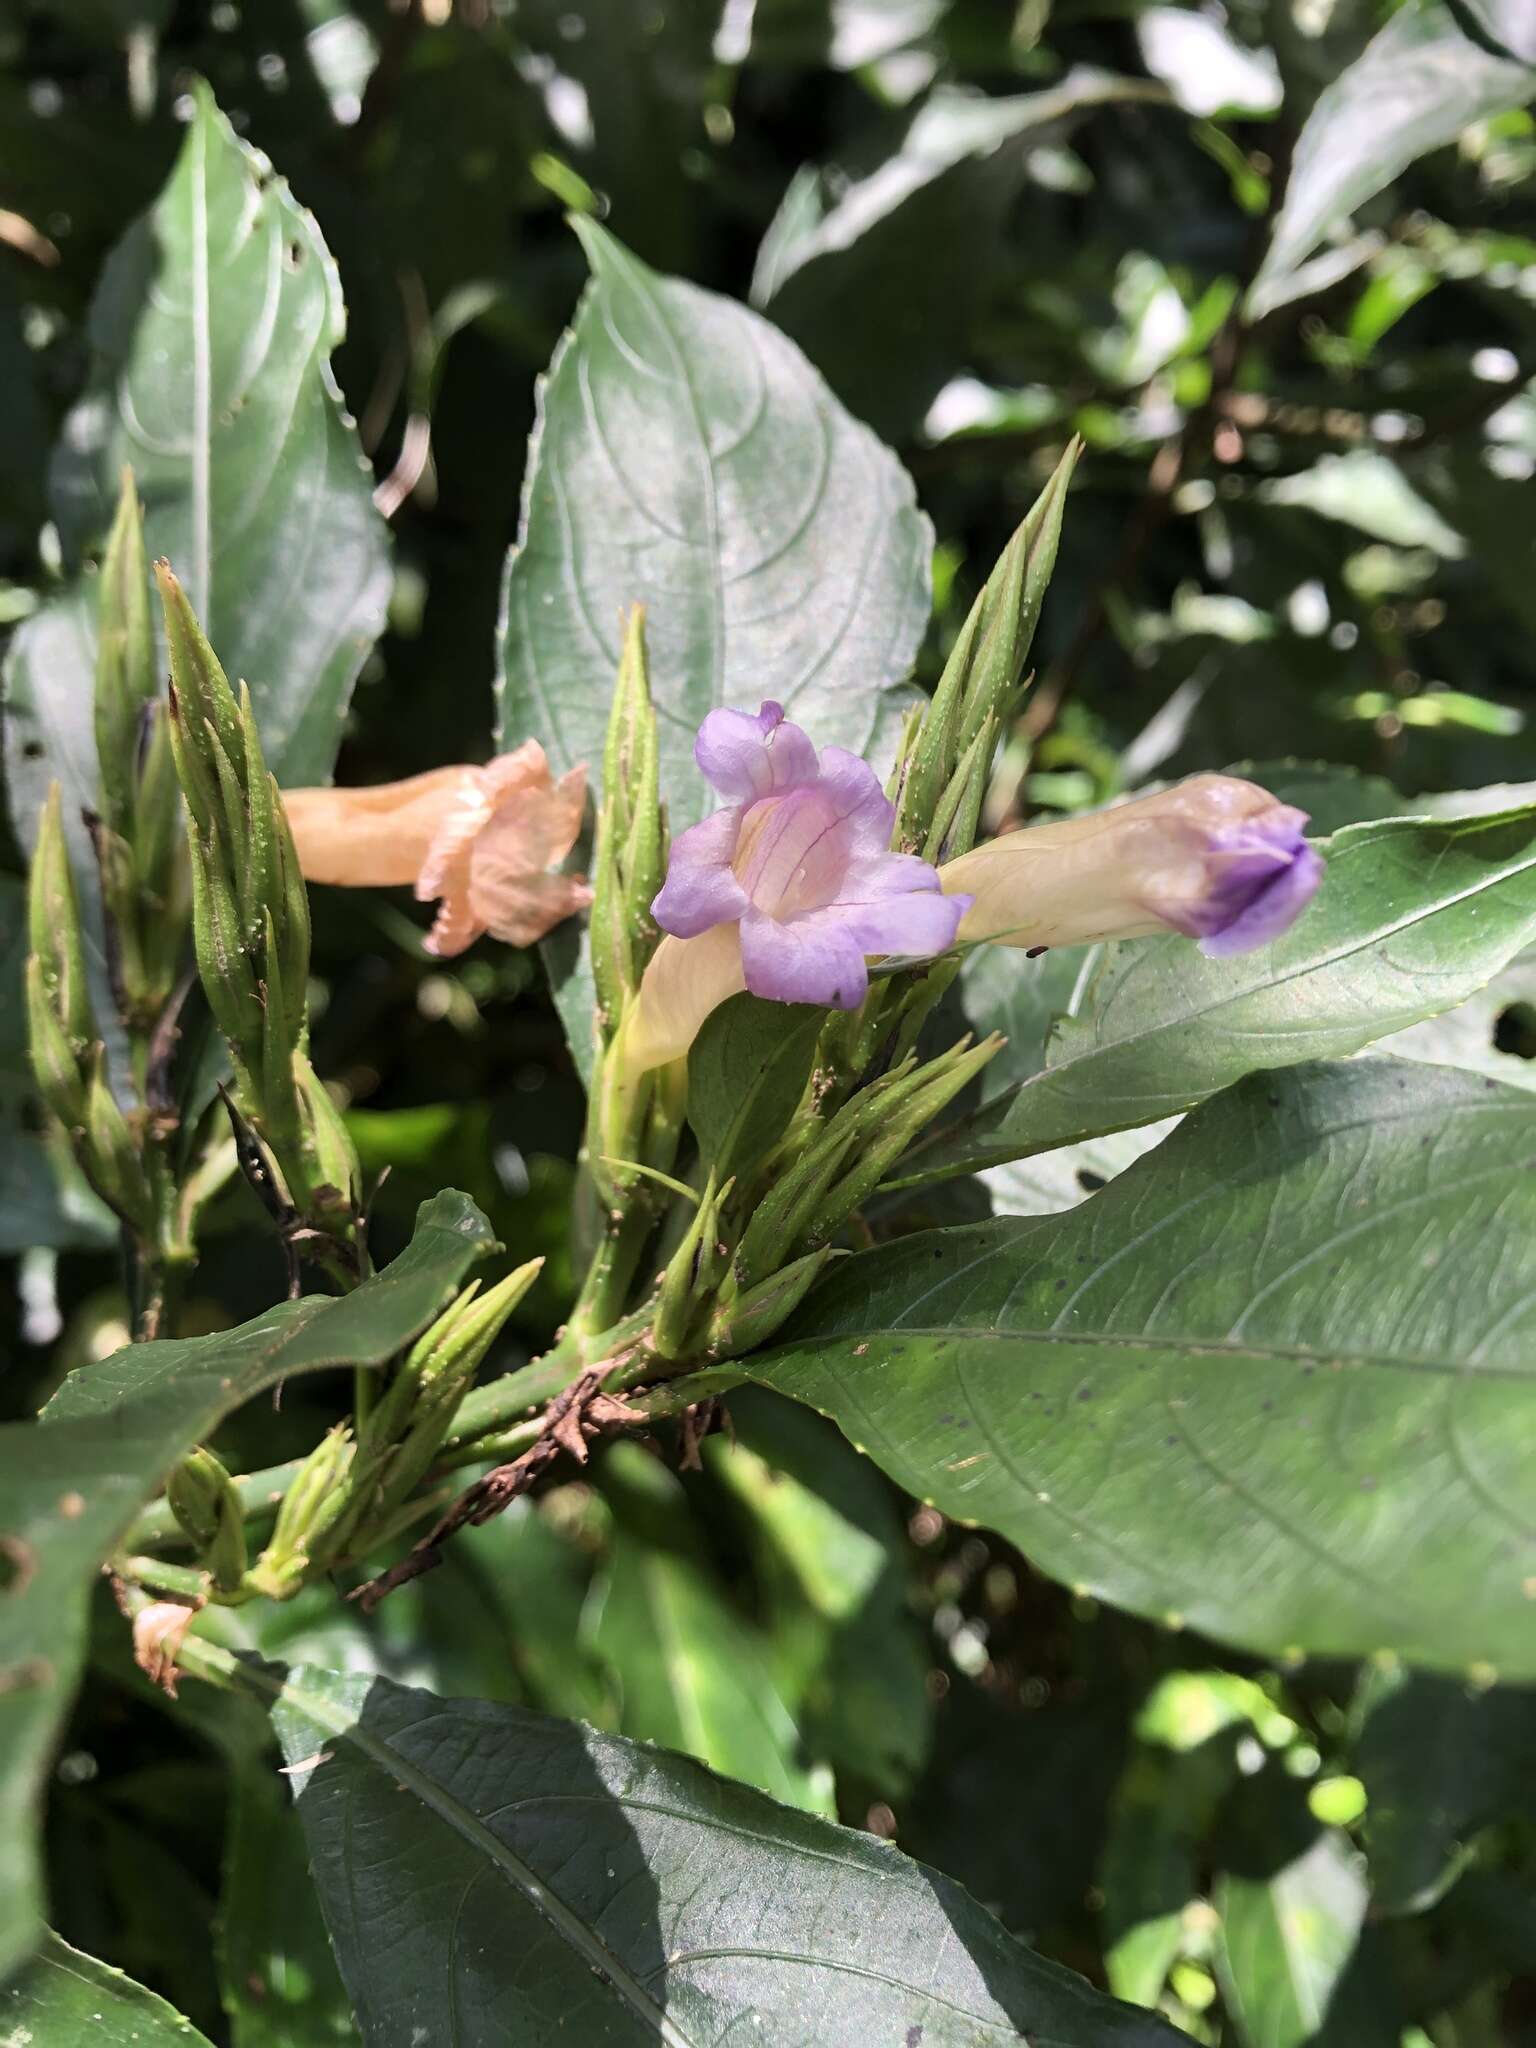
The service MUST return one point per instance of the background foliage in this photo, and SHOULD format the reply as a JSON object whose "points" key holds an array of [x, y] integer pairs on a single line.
{"points": [[1278, 269]]}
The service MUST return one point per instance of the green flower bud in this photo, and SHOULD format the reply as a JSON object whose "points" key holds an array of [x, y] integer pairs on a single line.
{"points": [[316, 1498], [55, 1065], [53, 916], [691, 1275], [203, 1499], [125, 662], [110, 1154], [746, 1318], [629, 855], [982, 676]]}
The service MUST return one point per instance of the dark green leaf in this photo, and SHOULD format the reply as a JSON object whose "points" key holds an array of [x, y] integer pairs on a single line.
{"points": [[1413, 917], [71, 1484], [884, 331], [211, 336], [747, 1071], [690, 1673], [281, 1987], [560, 1886], [1415, 88], [1440, 1762], [688, 457], [1274, 1381], [63, 1999]]}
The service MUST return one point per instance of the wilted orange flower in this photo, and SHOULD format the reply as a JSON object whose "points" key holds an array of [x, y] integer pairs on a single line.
{"points": [[483, 840]]}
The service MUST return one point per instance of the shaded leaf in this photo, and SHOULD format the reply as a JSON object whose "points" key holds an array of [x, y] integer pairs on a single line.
{"points": [[691, 1674], [1274, 1381], [747, 1071], [63, 1998], [840, 279], [281, 1986], [73, 1481], [1440, 1762], [1286, 1940], [1415, 87], [559, 1885], [211, 336]]}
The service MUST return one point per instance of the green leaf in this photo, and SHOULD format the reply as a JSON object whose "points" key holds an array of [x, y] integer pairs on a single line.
{"points": [[64, 1998], [1286, 1940], [281, 1986], [1473, 1035], [747, 1071], [690, 1673], [559, 1885], [1439, 1764], [688, 457], [211, 336], [840, 279], [1415, 87], [831, 1558], [1275, 1381], [71, 1484], [1413, 916], [1368, 491]]}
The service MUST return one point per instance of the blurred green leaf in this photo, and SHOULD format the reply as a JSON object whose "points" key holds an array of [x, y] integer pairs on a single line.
{"points": [[64, 1998], [1286, 1940], [840, 279], [1440, 1762], [281, 1986], [1419, 83], [690, 1673]]}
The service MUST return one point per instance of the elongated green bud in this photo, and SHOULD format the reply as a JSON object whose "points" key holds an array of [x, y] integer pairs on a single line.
{"points": [[55, 1065], [196, 674], [691, 1275], [222, 964], [404, 1433], [748, 1317], [111, 1156], [53, 918], [203, 1499], [629, 854], [981, 677], [120, 911], [958, 814], [316, 1498], [782, 1215], [125, 662], [330, 1157], [905, 1113]]}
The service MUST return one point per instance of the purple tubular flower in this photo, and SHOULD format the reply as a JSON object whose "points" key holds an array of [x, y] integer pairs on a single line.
{"points": [[1216, 858], [800, 862]]}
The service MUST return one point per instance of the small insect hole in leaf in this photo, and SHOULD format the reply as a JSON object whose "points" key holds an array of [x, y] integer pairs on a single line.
{"points": [[1514, 1030]]}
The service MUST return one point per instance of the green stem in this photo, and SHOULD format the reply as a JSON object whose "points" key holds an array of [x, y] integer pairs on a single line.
{"points": [[161, 1577], [612, 1271]]}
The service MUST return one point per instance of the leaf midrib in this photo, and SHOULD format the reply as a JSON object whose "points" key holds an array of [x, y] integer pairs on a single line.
{"points": [[472, 1830]]}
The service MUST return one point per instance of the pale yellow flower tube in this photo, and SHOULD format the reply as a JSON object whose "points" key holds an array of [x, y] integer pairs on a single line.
{"points": [[482, 840], [1216, 858]]}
